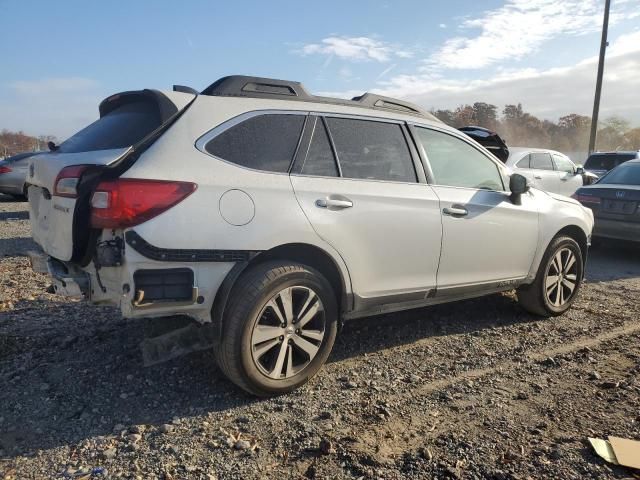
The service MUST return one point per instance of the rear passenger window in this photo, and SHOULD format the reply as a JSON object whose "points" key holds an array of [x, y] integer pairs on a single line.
{"points": [[541, 161], [320, 160], [524, 163], [372, 150], [265, 142]]}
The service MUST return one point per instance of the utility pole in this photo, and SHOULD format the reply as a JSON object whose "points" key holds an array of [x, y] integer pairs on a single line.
{"points": [[596, 102]]}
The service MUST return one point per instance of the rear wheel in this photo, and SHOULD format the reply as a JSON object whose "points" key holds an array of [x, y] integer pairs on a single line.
{"points": [[558, 279], [279, 327]]}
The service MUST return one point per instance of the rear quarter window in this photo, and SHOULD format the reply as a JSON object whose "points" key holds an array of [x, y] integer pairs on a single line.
{"points": [[120, 128], [264, 142]]}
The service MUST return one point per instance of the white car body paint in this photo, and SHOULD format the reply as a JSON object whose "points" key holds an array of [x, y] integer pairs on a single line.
{"points": [[556, 181], [394, 249]]}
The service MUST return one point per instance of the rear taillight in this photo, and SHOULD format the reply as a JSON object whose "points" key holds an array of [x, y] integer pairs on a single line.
{"points": [[4, 169], [587, 200], [66, 184], [128, 201]]}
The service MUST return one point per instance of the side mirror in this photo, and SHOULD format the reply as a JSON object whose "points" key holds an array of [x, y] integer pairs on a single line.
{"points": [[579, 170], [518, 184]]}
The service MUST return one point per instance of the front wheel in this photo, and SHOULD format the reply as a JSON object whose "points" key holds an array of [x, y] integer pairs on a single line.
{"points": [[558, 279], [279, 328]]}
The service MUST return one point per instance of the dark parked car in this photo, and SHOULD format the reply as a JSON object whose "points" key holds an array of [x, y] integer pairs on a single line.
{"points": [[614, 201], [600, 163], [489, 140]]}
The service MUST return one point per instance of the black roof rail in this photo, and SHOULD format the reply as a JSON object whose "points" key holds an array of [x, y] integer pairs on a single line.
{"points": [[258, 87], [378, 101]]}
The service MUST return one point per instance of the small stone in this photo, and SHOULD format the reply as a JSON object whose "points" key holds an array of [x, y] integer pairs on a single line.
{"points": [[242, 445], [610, 385], [594, 376], [118, 427], [522, 396], [414, 378], [426, 454], [137, 429], [166, 428], [134, 437], [129, 377], [173, 449], [326, 447], [211, 476], [109, 453], [242, 419], [123, 396], [351, 384]]}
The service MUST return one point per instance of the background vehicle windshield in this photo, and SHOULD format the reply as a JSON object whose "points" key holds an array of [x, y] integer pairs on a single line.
{"points": [[607, 161], [628, 174]]}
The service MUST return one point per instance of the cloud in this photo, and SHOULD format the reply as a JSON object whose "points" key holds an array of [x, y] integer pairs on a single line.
{"points": [[355, 48], [546, 93], [50, 106], [519, 28]]}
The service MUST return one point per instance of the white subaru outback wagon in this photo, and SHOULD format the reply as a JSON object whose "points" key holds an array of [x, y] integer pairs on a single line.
{"points": [[270, 216]]}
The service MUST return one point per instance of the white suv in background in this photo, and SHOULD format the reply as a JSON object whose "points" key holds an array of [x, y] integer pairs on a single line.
{"points": [[547, 169], [270, 216]]}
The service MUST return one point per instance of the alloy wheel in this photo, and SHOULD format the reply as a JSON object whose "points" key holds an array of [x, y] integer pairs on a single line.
{"points": [[288, 332], [561, 278]]}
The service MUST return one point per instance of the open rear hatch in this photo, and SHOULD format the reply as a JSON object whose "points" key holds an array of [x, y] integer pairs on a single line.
{"points": [[489, 140], [61, 181]]}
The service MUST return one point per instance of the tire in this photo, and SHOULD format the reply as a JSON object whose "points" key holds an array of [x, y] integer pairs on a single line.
{"points": [[255, 348], [557, 299]]}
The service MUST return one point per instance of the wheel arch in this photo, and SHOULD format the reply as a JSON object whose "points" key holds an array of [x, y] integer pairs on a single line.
{"points": [[304, 253], [578, 235]]}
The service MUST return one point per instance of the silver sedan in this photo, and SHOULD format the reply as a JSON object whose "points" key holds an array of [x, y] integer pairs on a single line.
{"points": [[13, 173]]}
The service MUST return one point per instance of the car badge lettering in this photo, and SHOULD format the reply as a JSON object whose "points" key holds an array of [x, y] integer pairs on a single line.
{"points": [[620, 194]]}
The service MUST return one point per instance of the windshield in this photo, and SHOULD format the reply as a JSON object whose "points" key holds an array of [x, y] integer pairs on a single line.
{"points": [[627, 174], [607, 161], [122, 127]]}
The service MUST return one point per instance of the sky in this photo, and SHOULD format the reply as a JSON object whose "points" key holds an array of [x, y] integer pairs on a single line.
{"points": [[59, 59]]}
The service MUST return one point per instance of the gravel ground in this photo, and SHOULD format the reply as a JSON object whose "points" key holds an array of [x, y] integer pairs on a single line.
{"points": [[476, 389]]}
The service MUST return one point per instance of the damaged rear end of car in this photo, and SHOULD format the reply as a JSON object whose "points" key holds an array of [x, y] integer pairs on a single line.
{"points": [[80, 206]]}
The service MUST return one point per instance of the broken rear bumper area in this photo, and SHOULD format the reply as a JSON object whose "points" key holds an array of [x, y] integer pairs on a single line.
{"points": [[141, 286]]}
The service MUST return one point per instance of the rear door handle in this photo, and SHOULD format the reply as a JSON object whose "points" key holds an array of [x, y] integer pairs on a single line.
{"points": [[537, 177], [334, 203], [455, 211]]}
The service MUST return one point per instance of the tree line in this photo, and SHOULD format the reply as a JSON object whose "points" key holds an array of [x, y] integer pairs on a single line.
{"points": [[12, 143], [519, 128]]}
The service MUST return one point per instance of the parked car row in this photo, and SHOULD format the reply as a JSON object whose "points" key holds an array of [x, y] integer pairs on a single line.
{"points": [[272, 216], [614, 200]]}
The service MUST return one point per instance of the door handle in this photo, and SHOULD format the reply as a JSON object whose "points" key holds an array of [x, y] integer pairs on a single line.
{"points": [[537, 177], [455, 211], [334, 203]]}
